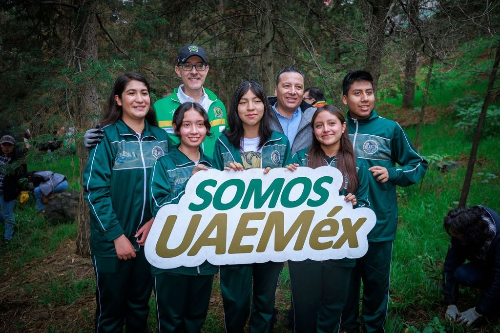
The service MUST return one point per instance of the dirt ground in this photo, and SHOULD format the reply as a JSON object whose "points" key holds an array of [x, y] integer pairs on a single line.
{"points": [[21, 306]]}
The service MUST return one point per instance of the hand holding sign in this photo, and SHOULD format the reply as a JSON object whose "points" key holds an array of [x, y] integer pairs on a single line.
{"points": [[229, 217]]}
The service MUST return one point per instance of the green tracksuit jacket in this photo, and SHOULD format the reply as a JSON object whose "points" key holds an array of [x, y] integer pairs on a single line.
{"points": [[301, 159], [382, 142], [166, 107], [242, 285], [116, 183], [168, 182], [275, 152]]}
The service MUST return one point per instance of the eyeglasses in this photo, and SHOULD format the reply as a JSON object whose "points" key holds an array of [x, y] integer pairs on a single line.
{"points": [[200, 67]]}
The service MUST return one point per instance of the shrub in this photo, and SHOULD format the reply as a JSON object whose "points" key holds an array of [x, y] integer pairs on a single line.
{"points": [[467, 111]]}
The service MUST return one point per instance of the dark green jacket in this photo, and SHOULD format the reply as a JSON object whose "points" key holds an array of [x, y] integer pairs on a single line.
{"points": [[382, 142], [168, 182], [275, 152], [116, 183], [166, 107], [361, 194]]}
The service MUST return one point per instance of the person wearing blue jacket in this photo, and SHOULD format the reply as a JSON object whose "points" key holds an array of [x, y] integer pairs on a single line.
{"points": [[475, 237], [250, 143], [182, 293], [116, 184]]}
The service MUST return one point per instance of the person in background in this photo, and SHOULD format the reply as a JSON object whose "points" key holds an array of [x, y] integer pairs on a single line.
{"points": [[315, 97], [382, 147], [116, 182], [182, 293], [47, 183], [475, 237], [192, 67], [291, 115], [12, 169]]}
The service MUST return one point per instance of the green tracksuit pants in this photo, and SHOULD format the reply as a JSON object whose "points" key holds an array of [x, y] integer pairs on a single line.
{"points": [[236, 287], [374, 269], [319, 292], [122, 293], [182, 301]]}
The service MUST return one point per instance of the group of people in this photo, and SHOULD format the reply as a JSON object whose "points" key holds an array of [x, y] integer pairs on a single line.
{"points": [[15, 180], [143, 157]]}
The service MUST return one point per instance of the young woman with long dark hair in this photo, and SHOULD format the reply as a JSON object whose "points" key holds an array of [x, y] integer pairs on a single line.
{"points": [[319, 288], [250, 143], [116, 183]]}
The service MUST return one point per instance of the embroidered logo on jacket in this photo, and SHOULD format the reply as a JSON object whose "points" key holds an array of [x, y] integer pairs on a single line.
{"points": [[218, 112], [157, 152], [370, 146], [276, 157]]}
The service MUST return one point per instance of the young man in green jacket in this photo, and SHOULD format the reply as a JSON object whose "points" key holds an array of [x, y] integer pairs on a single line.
{"points": [[382, 147], [192, 67]]}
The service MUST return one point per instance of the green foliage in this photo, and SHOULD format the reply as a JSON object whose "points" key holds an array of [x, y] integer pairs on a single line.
{"points": [[467, 110]]}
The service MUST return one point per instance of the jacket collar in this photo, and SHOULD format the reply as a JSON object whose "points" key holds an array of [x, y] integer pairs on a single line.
{"points": [[183, 160], [211, 96], [124, 130], [372, 116]]}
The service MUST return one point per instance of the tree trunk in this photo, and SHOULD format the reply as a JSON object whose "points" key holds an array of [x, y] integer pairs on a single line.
{"points": [[380, 10], [88, 110], [410, 72], [424, 102], [411, 57], [479, 129], [266, 45]]}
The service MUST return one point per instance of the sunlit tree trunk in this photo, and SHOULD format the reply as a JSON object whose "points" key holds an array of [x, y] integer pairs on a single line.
{"points": [[479, 130]]}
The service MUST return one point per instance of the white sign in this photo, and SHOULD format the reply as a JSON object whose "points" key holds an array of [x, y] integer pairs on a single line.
{"points": [[229, 217]]}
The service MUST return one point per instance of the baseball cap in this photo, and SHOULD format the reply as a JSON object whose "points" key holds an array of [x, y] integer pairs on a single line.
{"points": [[8, 139], [191, 50]]}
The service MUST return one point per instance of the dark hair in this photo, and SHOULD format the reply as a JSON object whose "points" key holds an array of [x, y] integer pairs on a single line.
{"points": [[114, 110], [315, 93], [179, 116], [354, 76], [289, 69], [346, 160], [235, 132], [471, 222]]}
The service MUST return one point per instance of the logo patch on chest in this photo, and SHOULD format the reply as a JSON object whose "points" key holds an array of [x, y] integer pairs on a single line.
{"points": [[218, 112], [275, 157], [157, 152], [370, 147]]}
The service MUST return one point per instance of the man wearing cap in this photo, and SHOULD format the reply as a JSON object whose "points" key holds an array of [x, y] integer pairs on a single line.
{"points": [[10, 174], [192, 67]]}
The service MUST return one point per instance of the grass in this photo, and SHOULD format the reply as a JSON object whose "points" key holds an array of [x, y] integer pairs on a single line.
{"points": [[419, 249]]}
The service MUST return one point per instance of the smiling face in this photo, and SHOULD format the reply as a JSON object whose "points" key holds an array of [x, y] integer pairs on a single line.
{"points": [[290, 90], [360, 99], [193, 80], [250, 110], [328, 130], [135, 102], [192, 130]]}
